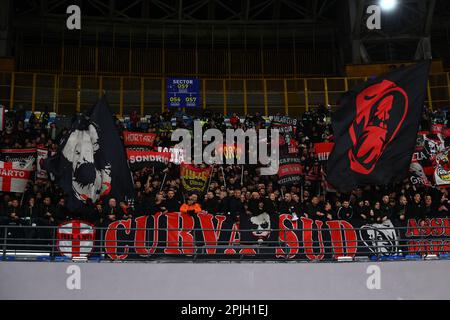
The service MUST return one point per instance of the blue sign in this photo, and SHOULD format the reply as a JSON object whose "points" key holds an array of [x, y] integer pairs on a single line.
{"points": [[183, 93]]}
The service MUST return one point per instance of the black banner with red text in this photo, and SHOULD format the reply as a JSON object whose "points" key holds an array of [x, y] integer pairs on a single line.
{"points": [[209, 236]]}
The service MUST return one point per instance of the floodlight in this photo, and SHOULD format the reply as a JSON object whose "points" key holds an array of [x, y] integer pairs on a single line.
{"points": [[388, 5]]}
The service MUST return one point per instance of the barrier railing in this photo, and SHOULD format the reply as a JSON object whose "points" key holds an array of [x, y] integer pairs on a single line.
{"points": [[124, 243], [66, 94]]}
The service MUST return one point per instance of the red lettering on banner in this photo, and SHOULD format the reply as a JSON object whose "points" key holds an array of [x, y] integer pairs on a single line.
{"points": [[141, 234], [413, 247], [436, 227], [174, 234], [288, 236], [308, 239], [349, 243], [446, 247], [234, 239], [111, 239], [211, 235], [412, 229], [447, 226]]}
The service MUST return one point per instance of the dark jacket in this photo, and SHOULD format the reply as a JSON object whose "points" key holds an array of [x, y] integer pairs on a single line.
{"points": [[345, 213]]}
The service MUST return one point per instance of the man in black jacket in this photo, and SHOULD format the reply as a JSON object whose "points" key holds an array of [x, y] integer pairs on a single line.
{"points": [[288, 206], [416, 208], [211, 204], [172, 204], [235, 205], [345, 212]]}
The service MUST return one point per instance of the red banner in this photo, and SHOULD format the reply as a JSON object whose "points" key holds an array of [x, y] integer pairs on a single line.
{"points": [[139, 139], [323, 150]]}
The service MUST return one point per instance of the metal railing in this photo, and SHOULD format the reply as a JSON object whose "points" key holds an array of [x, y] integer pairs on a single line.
{"points": [[66, 94], [308, 244]]}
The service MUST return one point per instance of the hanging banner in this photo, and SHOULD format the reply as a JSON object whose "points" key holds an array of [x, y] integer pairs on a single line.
{"points": [[15, 175], [194, 179], [138, 139], [42, 154], [266, 236], [442, 169], [323, 150], [139, 159], [290, 171], [176, 154], [18, 155], [429, 236]]}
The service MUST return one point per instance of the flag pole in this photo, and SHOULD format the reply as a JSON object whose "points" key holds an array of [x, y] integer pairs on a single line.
{"points": [[223, 175], [164, 181], [210, 177], [242, 176]]}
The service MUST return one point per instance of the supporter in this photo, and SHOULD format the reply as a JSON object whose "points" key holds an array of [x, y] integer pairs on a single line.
{"points": [[191, 206], [236, 205], [158, 205], [288, 206], [345, 212], [111, 209], [401, 210], [211, 203], [429, 210], [47, 211], [362, 212], [328, 211], [271, 205], [172, 204], [255, 204], [313, 210], [416, 208]]}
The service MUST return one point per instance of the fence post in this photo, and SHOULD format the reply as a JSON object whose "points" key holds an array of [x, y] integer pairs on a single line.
{"points": [[327, 100], [286, 98], [224, 83], [121, 98], [78, 107], [11, 91], [430, 102], [266, 103], [142, 96], [203, 94], [163, 98], [33, 94], [245, 97], [305, 82], [100, 87]]}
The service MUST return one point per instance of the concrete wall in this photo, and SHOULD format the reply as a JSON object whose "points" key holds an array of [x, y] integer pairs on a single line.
{"points": [[388, 280]]}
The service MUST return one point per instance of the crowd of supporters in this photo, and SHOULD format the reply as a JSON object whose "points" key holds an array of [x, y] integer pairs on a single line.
{"points": [[233, 191]]}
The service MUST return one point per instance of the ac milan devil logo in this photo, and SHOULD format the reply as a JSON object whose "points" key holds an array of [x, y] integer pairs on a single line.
{"points": [[380, 112]]}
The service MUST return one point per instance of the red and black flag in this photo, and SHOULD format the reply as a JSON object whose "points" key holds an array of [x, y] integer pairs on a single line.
{"points": [[376, 127]]}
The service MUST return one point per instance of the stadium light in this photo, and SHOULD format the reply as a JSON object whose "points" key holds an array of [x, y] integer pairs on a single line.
{"points": [[388, 5]]}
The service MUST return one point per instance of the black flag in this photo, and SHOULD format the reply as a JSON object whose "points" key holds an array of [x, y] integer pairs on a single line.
{"points": [[376, 127], [91, 163]]}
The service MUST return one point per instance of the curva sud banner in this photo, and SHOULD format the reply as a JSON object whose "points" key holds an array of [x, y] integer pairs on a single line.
{"points": [[210, 236]]}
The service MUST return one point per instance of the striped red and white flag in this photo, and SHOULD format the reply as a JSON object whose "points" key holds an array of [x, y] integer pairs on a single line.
{"points": [[15, 175]]}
